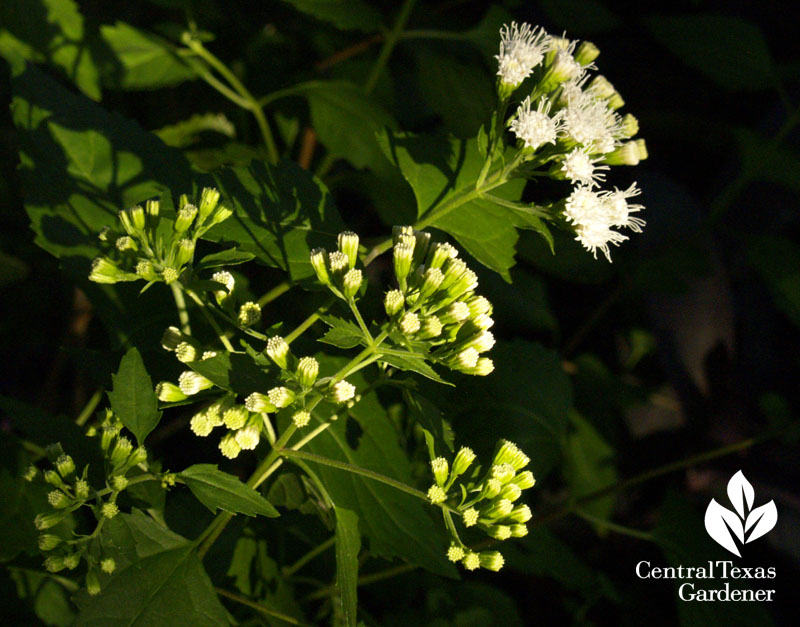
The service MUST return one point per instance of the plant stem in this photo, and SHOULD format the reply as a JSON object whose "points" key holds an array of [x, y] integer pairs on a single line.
{"points": [[291, 570], [180, 303], [305, 324], [260, 607], [612, 526], [389, 43], [220, 333], [275, 292], [86, 412], [354, 308], [366, 580]]}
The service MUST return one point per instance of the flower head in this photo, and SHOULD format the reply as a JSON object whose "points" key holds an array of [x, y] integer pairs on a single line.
{"points": [[522, 48], [579, 167], [535, 128]]}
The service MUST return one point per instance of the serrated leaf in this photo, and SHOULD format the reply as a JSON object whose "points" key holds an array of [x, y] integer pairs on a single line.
{"points": [[342, 333], [413, 363], [187, 132], [143, 61], [348, 546], [133, 399], [235, 372], [230, 257], [168, 588], [343, 14], [430, 418], [219, 490]]}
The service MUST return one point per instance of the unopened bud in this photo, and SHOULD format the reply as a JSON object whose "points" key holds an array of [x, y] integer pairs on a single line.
{"points": [[511, 491], [208, 202], [53, 478], [431, 327], [169, 392], [301, 418], [403, 254], [119, 483], [235, 417], [440, 470], [437, 495], [226, 278], [519, 531], [191, 382], [126, 243], [339, 263], [172, 338], [169, 275], [186, 216], [184, 252], [499, 532], [248, 437], [586, 53], [463, 460], [249, 314], [185, 352], [491, 560], [629, 126], [409, 323], [319, 261], [520, 514], [201, 425], [439, 253], [109, 510], [92, 583], [278, 351], [470, 517], [455, 553], [393, 302], [352, 283], [307, 371], [72, 561], [121, 450], [146, 270], [503, 472], [471, 561], [432, 279], [108, 565], [229, 447], [627, 154], [342, 391], [48, 541], [259, 403], [65, 466], [46, 521], [281, 396], [348, 244], [81, 489], [54, 563]]}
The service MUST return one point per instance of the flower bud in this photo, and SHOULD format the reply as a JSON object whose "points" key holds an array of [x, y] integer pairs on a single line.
{"points": [[339, 264], [169, 392], [72, 560], [342, 391], [184, 219], [307, 371], [499, 509], [482, 342], [235, 417], [457, 312], [31, 472], [393, 302], [249, 314], [220, 215], [259, 403], [126, 243], [229, 447], [485, 366], [146, 270], [440, 470], [301, 418], [432, 279], [483, 321], [281, 397], [641, 146], [191, 382], [201, 425], [455, 553], [499, 532], [65, 466], [48, 541], [519, 531], [439, 253], [107, 436], [139, 456], [106, 271], [81, 489], [319, 261], [108, 565], [627, 154], [470, 517], [171, 338], [471, 561], [119, 483], [152, 208], [401, 234], [278, 351], [46, 521], [491, 560], [463, 460], [491, 488], [217, 409], [184, 252], [226, 278], [629, 126], [185, 352], [586, 53], [208, 202], [92, 583], [503, 472], [53, 478], [422, 238], [466, 359], [352, 283], [248, 437], [54, 563], [137, 216], [109, 510], [409, 323], [511, 491], [121, 450], [520, 514], [509, 453], [348, 244], [479, 305], [208, 355], [169, 275], [431, 327], [467, 282], [436, 495], [403, 254]]}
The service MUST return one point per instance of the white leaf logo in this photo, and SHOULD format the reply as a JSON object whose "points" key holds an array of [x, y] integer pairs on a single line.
{"points": [[745, 524]]}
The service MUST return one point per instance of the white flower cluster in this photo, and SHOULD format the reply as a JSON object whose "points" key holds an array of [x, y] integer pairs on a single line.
{"points": [[570, 123]]}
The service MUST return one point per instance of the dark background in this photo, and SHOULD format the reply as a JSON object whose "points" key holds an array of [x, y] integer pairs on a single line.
{"points": [[688, 342]]}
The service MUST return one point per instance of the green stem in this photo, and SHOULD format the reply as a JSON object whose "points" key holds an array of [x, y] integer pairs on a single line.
{"points": [[303, 326], [422, 33], [259, 607], [354, 308], [213, 323], [366, 580], [612, 526], [291, 570], [180, 304], [133, 481], [275, 292], [389, 43], [86, 412]]}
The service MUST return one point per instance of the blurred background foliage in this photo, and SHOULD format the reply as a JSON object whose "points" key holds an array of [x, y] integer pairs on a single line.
{"points": [[687, 343]]}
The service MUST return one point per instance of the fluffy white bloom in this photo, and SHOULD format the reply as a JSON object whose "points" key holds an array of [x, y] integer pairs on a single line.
{"points": [[590, 122], [620, 210], [579, 167], [522, 48], [536, 127]]}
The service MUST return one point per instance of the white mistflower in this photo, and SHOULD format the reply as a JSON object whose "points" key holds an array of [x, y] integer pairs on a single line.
{"points": [[536, 127], [596, 237], [589, 212], [580, 167], [591, 123], [522, 48], [619, 210]]}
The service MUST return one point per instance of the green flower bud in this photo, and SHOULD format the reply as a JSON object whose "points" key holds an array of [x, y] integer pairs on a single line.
{"points": [[465, 359], [31, 472], [281, 396], [401, 234], [629, 126], [499, 532], [319, 261], [191, 382], [184, 252], [421, 246], [169, 392], [185, 352], [437, 495], [169, 275], [184, 219], [586, 53], [82, 489], [171, 338], [503, 472], [519, 531], [482, 342], [352, 283], [491, 488], [471, 561], [440, 469], [229, 447], [430, 327], [641, 146], [226, 278], [152, 208], [53, 478], [348, 244], [509, 453], [499, 509], [455, 553], [341, 392], [125, 220], [307, 371], [119, 483], [71, 561], [126, 243], [483, 321], [106, 271], [54, 563], [463, 460], [439, 253], [520, 514], [109, 510], [248, 437], [48, 541], [301, 418], [249, 314], [432, 279], [491, 560], [92, 583], [259, 403], [209, 198], [511, 491], [403, 255], [456, 313], [108, 565], [137, 216], [65, 466], [339, 264], [393, 302], [470, 517], [627, 154], [278, 351], [409, 323], [146, 270], [478, 306], [46, 521], [201, 425], [235, 417], [139, 456], [122, 449]]}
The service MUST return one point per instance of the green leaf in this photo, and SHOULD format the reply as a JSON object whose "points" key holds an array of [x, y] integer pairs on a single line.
{"points": [[589, 466], [50, 31], [21, 502], [280, 213], [236, 372], [133, 399], [230, 257], [430, 419], [442, 170], [395, 523], [143, 61], [167, 588], [729, 50], [346, 120], [342, 333], [219, 490], [129, 538], [343, 14], [188, 132], [413, 363], [348, 546]]}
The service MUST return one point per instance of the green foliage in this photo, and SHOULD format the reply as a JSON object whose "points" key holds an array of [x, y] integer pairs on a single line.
{"points": [[344, 14], [219, 490], [132, 398]]}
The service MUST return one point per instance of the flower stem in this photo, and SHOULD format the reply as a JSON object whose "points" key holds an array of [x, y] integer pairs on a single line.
{"points": [[305, 324], [259, 607], [612, 526], [180, 303], [213, 323], [275, 292], [89, 408], [389, 43], [321, 548]]}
